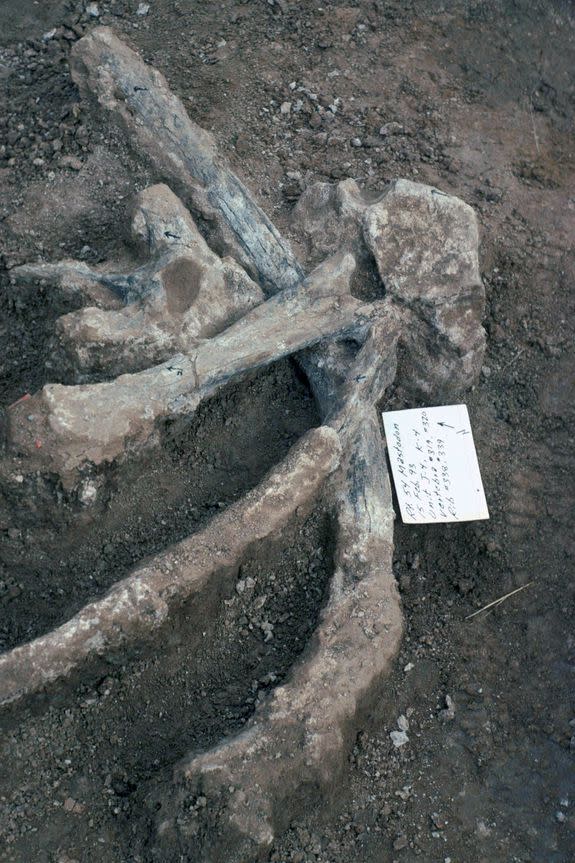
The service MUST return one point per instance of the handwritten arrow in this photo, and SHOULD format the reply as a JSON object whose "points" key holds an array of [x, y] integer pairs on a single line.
{"points": [[446, 425]]}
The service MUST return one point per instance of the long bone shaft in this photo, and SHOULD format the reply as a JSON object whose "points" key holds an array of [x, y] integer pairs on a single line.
{"points": [[157, 123], [96, 423]]}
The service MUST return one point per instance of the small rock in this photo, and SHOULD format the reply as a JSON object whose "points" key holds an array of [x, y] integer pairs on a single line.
{"points": [[448, 713], [391, 129], [92, 10], [71, 805], [267, 629], [143, 9], [71, 162], [398, 738], [88, 493], [404, 793], [438, 821], [403, 723], [356, 142], [285, 108]]}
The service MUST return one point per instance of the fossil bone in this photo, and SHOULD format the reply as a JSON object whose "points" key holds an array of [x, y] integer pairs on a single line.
{"points": [[96, 423], [108, 72], [299, 736], [182, 294], [139, 605]]}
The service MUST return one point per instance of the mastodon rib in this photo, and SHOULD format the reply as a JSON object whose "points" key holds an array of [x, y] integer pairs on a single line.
{"points": [[97, 423], [300, 735], [197, 568]]}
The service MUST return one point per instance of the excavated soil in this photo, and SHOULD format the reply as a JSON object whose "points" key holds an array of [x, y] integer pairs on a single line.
{"points": [[478, 99]]}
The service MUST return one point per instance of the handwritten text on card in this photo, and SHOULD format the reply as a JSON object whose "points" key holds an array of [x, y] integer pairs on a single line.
{"points": [[434, 465]]}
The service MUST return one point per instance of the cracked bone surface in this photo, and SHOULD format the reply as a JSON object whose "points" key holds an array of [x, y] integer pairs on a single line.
{"points": [[425, 245], [155, 121], [424, 248], [138, 606], [182, 294], [300, 736], [96, 423]]}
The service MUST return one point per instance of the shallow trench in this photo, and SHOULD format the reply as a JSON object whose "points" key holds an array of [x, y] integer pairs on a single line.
{"points": [[47, 573]]}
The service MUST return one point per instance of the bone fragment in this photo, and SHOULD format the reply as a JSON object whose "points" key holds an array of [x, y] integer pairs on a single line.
{"points": [[183, 294], [138, 606], [424, 244], [75, 279]]}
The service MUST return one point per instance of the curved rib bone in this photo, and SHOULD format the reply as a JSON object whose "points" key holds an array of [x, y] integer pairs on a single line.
{"points": [[299, 737], [136, 607]]}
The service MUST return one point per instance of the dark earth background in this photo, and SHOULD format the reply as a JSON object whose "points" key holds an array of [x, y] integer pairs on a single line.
{"points": [[477, 98]]}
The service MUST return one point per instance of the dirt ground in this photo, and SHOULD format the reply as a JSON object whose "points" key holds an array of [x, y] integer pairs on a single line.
{"points": [[477, 98]]}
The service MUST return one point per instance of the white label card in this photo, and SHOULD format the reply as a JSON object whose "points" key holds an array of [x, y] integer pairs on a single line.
{"points": [[434, 465]]}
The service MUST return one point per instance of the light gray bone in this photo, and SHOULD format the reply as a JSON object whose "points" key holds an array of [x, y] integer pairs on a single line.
{"points": [[158, 126], [97, 423], [424, 244], [182, 294], [138, 606], [301, 734]]}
